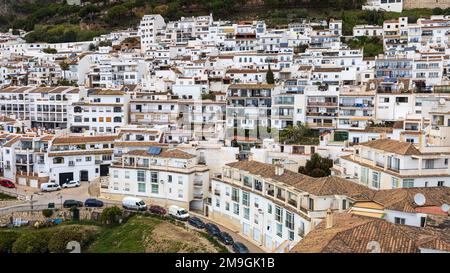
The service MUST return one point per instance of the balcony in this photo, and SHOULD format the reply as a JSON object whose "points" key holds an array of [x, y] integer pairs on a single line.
{"points": [[281, 197], [198, 183], [270, 192], [198, 196], [217, 192], [292, 202]]}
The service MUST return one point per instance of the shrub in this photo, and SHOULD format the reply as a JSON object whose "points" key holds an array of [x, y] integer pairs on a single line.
{"points": [[110, 216], [60, 239], [7, 240], [32, 242], [47, 213]]}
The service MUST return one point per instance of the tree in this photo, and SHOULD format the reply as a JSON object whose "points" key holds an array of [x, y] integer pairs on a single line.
{"points": [[32, 242], [49, 50], [269, 76], [110, 216], [7, 239], [64, 67], [300, 134], [317, 166], [47, 213]]}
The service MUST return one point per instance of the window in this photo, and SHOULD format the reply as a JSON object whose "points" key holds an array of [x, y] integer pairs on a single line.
{"points": [[218, 202], [116, 174], [180, 193], [429, 163], [236, 209], [258, 185], [58, 160], [278, 214], [247, 213], [364, 176], [247, 181], [154, 181], [400, 221], [423, 221], [289, 220], [344, 204], [279, 230], [235, 195], [141, 176], [408, 183], [440, 183], [127, 174], [269, 208], [376, 180], [311, 204], [401, 99], [141, 187], [180, 180], [227, 206], [169, 178], [290, 235], [395, 182], [245, 198]]}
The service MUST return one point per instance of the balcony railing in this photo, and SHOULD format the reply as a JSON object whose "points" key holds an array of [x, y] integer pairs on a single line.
{"points": [[198, 195]]}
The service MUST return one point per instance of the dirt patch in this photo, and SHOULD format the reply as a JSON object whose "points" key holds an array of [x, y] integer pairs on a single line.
{"points": [[169, 238]]}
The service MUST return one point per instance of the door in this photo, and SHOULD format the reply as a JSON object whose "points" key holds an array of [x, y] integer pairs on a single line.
{"points": [[65, 177], [84, 176], [104, 170]]}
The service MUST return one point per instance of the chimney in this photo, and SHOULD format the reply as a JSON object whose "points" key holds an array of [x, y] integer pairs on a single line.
{"points": [[279, 170], [329, 218]]}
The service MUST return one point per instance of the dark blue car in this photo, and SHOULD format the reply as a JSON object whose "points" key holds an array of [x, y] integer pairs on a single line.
{"points": [[212, 229], [93, 203], [196, 222], [240, 248], [226, 238]]}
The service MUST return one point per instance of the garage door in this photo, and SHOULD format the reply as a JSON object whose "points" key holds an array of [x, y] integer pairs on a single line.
{"points": [[64, 177], [33, 183]]}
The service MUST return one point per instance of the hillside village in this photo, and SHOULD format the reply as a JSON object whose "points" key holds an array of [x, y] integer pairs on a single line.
{"points": [[224, 118]]}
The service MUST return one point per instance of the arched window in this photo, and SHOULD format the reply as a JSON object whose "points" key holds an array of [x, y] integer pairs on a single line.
{"points": [[58, 160]]}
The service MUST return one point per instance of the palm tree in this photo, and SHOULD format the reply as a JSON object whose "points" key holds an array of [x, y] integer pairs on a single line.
{"points": [[294, 134]]}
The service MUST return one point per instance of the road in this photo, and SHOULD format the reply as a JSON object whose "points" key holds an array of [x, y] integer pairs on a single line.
{"points": [[43, 198], [81, 193], [236, 236]]}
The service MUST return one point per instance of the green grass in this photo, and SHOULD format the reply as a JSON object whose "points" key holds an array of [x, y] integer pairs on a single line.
{"points": [[125, 238], [6, 197]]}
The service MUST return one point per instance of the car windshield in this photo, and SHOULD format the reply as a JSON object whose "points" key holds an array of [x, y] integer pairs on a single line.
{"points": [[141, 203], [183, 211]]}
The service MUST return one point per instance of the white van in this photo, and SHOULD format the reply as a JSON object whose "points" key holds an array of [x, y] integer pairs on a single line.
{"points": [[178, 212], [133, 203], [50, 187]]}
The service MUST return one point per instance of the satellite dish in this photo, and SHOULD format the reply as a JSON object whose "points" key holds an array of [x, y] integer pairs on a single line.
{"points": [[419, 199], [442, 101], [445, 207]]}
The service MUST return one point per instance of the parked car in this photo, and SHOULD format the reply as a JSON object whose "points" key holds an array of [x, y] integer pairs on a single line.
{"points": [[225, 238], [196, 222], [240, 248], [157, 210], [178, 213], [72, 203], [133, 203], [50, 187], [71, 184], [93, 203], [7, 183], [212, 229]]}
